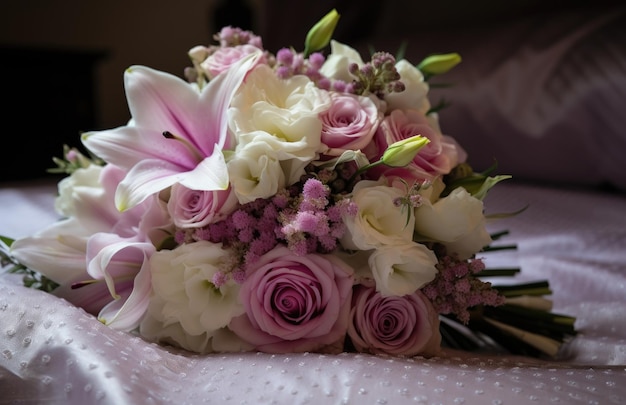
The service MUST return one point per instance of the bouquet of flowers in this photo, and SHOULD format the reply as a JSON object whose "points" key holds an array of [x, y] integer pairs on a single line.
{"points": [[283, 202]]}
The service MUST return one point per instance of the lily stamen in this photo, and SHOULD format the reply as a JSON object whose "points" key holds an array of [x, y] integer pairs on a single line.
{"points": [[84, 283], [192, 149], [112, 290]]}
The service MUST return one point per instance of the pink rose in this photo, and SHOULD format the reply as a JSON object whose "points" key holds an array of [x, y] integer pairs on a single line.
{"points": [[223, 58], [407, 325], [295, 303], [349, 124], [436, 158], [196, 208]]}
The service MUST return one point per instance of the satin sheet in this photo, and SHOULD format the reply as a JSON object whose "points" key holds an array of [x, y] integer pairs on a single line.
{"points": [[54, 353]]}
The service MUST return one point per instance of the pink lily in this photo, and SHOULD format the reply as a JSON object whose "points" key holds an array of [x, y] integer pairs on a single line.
{"points": [[58, 250], [100, 257], [176, 134], [123, 264]]}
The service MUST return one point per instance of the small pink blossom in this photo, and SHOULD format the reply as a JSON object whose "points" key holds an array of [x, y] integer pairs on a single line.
{"points": [[455, 289], [314, 189], [232, 36], [307, 222]]}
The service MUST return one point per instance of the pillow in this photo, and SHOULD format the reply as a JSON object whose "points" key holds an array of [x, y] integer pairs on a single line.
{"points": [[553, 107], [544, 95]]}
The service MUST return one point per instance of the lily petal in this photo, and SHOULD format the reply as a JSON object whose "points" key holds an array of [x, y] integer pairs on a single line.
{"points": [[91, 297], [126, 146], [126, 313], [194, 120], [210, 174], [113, 258], [146, 178], [58, 251]]}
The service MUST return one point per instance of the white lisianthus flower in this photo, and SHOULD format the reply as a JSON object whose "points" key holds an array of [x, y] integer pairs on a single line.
{"points": [[336, 64], [186, 306], [402, 269], [378, 221], [83, 180], [415, 94], [471, 243], [255, 172], [457, 221], [282, 113]]}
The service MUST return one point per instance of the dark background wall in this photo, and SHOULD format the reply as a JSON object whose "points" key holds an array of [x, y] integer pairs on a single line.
{"points": [[62, 65], [63, 60]]}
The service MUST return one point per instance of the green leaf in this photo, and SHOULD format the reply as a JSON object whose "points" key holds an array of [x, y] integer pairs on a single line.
{"points": [[488, 183], [507, 214], [6, 240], [401, 52]]}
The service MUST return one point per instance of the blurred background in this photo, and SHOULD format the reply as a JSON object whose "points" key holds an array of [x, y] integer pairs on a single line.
{"points": [[63, 60]]}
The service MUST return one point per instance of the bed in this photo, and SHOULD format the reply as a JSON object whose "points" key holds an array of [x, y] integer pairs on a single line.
{"points": [[560, 134], [53, 352]]}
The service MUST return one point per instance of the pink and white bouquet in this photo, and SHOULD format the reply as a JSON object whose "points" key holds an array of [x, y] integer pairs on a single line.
{"points": [[287, 202]]}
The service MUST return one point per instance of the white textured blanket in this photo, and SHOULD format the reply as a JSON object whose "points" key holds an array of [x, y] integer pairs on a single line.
{"points": [[52, 352]]}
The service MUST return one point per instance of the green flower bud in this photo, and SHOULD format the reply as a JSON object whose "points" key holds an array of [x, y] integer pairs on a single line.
{"points": [[438, 64], [320, 35], [401, 153]]}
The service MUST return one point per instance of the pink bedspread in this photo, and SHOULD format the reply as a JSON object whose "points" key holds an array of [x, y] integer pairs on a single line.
{"points": [[51, 352]]}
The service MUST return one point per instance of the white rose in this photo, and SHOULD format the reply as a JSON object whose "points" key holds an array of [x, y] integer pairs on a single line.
{"points": [[282, 113], [378, 221], [415, 94], [336, 64], [255, 172], [402, 269], [457, 221], [186, 306]]}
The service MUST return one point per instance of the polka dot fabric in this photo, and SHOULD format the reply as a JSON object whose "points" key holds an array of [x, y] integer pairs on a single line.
{"points": [[63, 355], [54, 353]]}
